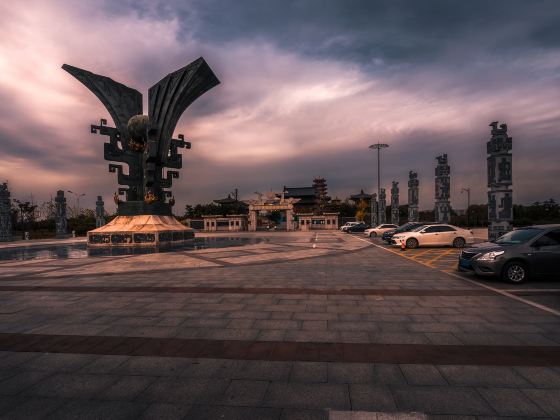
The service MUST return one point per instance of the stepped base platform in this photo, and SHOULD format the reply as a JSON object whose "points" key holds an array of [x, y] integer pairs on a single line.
{"points": [[140, 231]]}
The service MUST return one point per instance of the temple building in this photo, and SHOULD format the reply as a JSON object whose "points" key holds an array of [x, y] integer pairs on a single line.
{"points": [[231, 205], [312, 199], [356, 198], [306, 196]]}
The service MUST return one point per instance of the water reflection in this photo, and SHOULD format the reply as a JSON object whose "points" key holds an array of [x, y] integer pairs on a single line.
{"points": [[54, 252]]}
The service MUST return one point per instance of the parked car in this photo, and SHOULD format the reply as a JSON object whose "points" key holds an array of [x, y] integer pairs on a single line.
{"points": [[435, 235], [516, 256], [379, 230], [347, 225], [360, 227], [407, 227]]}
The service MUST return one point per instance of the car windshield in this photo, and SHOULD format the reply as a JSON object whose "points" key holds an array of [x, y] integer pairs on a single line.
{"points": [[403, 228], [406, 228], [519, 236]]}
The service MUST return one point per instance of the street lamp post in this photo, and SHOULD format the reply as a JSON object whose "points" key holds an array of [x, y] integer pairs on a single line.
{"points": [[378, 146], [76, 211], [468, 191]]}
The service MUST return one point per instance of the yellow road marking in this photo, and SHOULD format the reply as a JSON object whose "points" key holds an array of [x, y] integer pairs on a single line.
{"points": [[419, 254], [437, 257]]}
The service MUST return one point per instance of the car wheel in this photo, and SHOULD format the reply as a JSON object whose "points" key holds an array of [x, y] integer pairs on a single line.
{"points": [[458, 243], [515, 272], [373, 235], [412, 243]]}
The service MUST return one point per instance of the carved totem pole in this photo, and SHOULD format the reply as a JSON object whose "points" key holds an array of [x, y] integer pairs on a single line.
{"points": [[395, 203], [413, 185], [145, 145], [99, 212], [5, 214], [442, 205], [382, 207], [500, 201], [374, 208], [60, 220]]}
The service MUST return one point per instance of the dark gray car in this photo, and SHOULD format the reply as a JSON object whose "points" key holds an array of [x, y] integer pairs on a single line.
{"points": [[517, 255]]}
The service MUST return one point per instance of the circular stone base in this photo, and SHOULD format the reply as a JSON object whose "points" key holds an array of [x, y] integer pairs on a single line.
{"points": [[140, 231]]}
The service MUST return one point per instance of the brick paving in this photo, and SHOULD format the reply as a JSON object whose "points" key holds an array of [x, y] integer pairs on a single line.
{"points": [[279, 330]]}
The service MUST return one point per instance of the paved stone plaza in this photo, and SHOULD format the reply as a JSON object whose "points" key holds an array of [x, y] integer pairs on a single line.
{"points": [[301, 325]]}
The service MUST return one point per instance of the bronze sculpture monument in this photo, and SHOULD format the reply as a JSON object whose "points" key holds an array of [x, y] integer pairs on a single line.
{"points": [[145, 144]]}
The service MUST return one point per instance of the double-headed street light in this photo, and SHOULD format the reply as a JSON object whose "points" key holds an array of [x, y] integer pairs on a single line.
{"points": [[378, 146], [76, 212]]}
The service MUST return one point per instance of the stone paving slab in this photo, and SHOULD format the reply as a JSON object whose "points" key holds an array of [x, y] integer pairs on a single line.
{"points": [[274, 330]]}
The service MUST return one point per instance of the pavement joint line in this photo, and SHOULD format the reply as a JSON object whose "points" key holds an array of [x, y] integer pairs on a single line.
{"points": [[495, 290], [21, 277], [211, 260], [63, 267], [248, 290]]}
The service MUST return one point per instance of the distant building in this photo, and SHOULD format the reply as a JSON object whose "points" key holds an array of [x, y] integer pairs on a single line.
{"points": [[306, 195], [356, 198], [231, 205]]}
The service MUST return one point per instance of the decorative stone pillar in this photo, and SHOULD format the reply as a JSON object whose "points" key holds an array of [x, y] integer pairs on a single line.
{"points": [[374, 208], [99, 212], [289, 220], [382, 207], [60, 215], [413, 184], [252, 220], [5, 214], [395, 203], [442, 205], [500, 195]]}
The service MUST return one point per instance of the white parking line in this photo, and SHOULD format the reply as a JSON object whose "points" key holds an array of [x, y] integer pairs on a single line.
{"points": [[504, 293], [498, 291], [536, 291]]}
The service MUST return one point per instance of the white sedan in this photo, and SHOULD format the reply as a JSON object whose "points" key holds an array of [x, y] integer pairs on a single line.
{"points": [[379, 230], [347, 225], [435, 235]]}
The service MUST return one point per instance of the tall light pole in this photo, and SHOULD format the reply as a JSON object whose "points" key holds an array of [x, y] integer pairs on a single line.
{"points": [[76, 212], [378, 146], [468, 191]]}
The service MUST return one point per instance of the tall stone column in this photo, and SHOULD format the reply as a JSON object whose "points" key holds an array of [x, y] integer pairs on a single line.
{"points": [[382, 206], [374, 208], [500, 194], [413, 184], [252, 219], [5, 214], [442, 205], [60, 215], [289, 220], [395, 203], [99, 212]]}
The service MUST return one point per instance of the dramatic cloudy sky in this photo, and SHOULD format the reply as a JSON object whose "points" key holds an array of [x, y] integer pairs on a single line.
{"points": [[306, 86]]}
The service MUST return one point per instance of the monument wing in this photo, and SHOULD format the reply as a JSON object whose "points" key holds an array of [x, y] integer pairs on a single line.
{"points": [[121, 101], [169, 98]]}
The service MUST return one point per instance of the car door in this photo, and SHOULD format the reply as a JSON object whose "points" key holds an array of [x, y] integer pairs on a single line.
{"points": [[446, 235], [545, 258], [384, 228], [429, 236]]}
